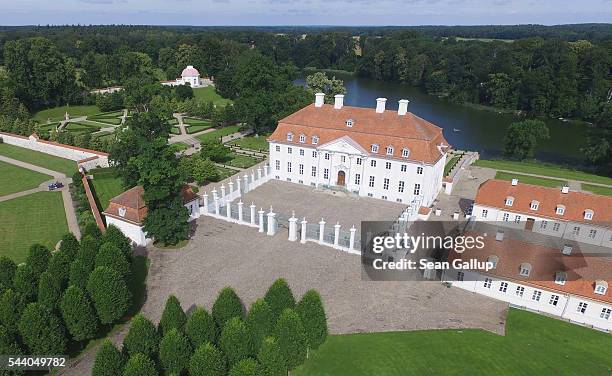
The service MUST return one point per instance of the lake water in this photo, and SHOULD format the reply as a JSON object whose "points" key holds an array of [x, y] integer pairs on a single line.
{"points": [[464, 127]]}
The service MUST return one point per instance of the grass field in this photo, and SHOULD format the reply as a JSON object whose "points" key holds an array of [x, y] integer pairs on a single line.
{"points": [[241, 161], [173, 121], [533, 345], [36, 218], [258, 143], [175, 130], [82, 127], [208, 94], [218, 133], [544, 169], [16, 179], [193, 121], [196, 128], [109, 121], [178, 146], [66, 166], [106, 185], [526, 179], [597, 189], [451, 163], [58, 113], [110, 114]]}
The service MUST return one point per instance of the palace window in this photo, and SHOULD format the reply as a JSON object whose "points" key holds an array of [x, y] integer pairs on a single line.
{"points": [[325, 173], [302, 138], [342, 158], [289, 136], [289, 150], [315, 140], [359, 161], [313, 171], [517, 219], [560, 278], [576, 231], [388, 165], [302, 152], [389, 150], [301, 169], [506, 217], [327, 156], [554, 300], [405, 152], [419, 170], [567, 250], [525, 269], [314, 154], [520, 290], [371, 183], [537, 294], [534, 205], [417, 189], [543, 225], [277, 147], [605, 313], [357, 179], [582, 307], [383, 197], [503, 287], [592, 233], [386, 184], [349, 123], [404, 168], [487, 283], [373, 163], [509, 201], [560, 210], [588, 214], [374, 148], [460, 276], [288, 166], [485, 212], [400, 188], [601, 287], [278, 165], [556, 226]]}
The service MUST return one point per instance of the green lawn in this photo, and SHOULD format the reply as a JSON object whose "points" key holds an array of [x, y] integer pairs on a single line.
{"points": [[178, 146], [196, 128], [451, 163], [257, 143], [533, 345], [82, 127], [544, 169], [208, 94], [553, 183], [16, 179], [106, 185], [597, 189], [110, 120], [193, 121], [173, 121], [36, 218], [241, 161], [175, 130], [106, 115], [58, 113], [51, 162], [218, 133]]}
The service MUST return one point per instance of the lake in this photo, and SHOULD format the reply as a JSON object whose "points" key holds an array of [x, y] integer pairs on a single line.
{"points": [[465, 127]]}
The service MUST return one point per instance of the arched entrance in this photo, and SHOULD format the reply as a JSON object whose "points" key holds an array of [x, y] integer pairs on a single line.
{"points": [[341, 178]]}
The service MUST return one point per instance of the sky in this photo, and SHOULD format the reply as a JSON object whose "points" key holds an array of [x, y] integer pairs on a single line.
{"points": [[303, 12]]}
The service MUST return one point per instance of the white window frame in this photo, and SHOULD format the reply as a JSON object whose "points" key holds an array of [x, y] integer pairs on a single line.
{"points": [[417, 189], [503, 287], [278, 165], [404, 168], [520, 290], [301, 169], [325, 173], [536, 296], [357, 179], [313, 171], [371, 182], [560, 210], [374, 148], [302, 138], [400, 187], [554, 300], [560, 278], [373, 163], [419, 170], [315, 140], [582, 307], [387, 165], [487, 283], [288, 166], [534, 205], [386, 184], [405, 152], [485, 212], [605, 313], [289, 136]]}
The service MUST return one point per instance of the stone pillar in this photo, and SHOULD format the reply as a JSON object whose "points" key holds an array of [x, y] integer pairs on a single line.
{"points": [[261, 224], [240, 211], [215, 196], [336, 234], [303, 234], [217, 205], [222, 191], [231, 186], [228, 210], [246, 183], [253, 177], [352, 239], [205, 198], [259, 173], [292, 228], [271, 222], [238, 184], [321, 230], [252, 213]]}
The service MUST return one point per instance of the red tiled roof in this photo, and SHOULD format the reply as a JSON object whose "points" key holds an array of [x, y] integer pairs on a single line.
{"points": [[421, 137], [493, 193]]}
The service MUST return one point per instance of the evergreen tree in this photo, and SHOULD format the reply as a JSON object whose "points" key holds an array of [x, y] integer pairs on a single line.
{"points": [[115, 237], [279, 297], [201, 327], [11, 307], [245, 367], [88, 251], [49, 291], [291, 338], [92, 229], [173, 316], [7, 273], [70, 245], [112, 257], [313, 317], [38, 258], [142, 337], [109, 293], [59, 267], [207, 361], [109, 361], [271, 359], [25, 282], [174, 352], [235, 341], [259, 322], [226, 306], [79, 314], [79, 274], [139, 365], [41, 330]]}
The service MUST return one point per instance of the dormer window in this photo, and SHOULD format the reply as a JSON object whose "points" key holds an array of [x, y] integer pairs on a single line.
{"points": [[289, 136], [374, 148], [493, 261], [534, 205], [509, 201], [349, 123], [560, 210], [405, 152], [525, 269], [601, 287], [588, 214], [315, 140], [389, 150], [567, 250], [560, 278], [302, 138]]}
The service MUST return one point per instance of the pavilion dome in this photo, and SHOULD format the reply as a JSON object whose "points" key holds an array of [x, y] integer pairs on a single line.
{"points": [[190, 71]]}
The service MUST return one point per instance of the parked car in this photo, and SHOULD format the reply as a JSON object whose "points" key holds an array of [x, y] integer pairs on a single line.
{"points": [[55, 185]]}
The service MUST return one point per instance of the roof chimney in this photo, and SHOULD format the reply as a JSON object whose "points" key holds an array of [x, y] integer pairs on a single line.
{"points": [[338, 101], [514, 181], [380, 105], [403, 107], [319, 99], [565, 189]]}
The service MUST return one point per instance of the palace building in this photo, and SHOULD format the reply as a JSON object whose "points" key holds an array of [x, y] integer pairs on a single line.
{"points": [[379, 153]]}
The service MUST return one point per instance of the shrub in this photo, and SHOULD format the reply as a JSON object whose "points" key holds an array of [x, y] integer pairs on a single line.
{"points": [[279, 297], [173, 316], [109, 293], [41, 330], [109, 361], [312, 314], [142, 337], [140, 365], [271, 359], [259, 322], [174, 352], [207, 361], [291, 338], [227, 306], [201, 327], [49, 291], [112, 257], [38, 258], [235, 341], [25, 282], [79, 314], [246, 367]]}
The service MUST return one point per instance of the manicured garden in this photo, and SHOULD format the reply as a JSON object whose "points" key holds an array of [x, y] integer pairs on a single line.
{"points": [[66, 166], [253, 142], [16, 179], [451, 163], [533, 345], [242, 161], [526, 179], [35, 218], [59, 113], [106, 185], [218, 133], [208, 94], [82, 127]]}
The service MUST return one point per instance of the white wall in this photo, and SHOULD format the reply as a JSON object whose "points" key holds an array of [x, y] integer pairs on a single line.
{"points": [[132, 231]]}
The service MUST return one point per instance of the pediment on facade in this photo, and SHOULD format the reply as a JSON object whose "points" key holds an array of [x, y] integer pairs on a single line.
{"points": [[343, 145]]}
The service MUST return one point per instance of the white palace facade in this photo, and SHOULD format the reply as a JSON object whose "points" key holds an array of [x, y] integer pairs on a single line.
{"points": [[379, 153]]}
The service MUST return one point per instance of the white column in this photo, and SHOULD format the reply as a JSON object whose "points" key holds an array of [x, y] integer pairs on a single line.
{"points": [[259, 173], [228, 210], [321, 230], [352, 239], [292, 228], [222, 191], [261, 224], [246, 183], [265, 170], [252, 213], [231, 186], [205, 198], [253, 177], [238, 184], [215, 196], [240, 211], [217, 205], [271, 222], [336, 234], [303, 234]]}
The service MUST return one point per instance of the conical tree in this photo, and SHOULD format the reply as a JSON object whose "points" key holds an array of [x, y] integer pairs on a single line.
{"points": [[291, 338], [174, 352], [260, 323], [92, 229], [109, 361], [109, 294], [207, 361], [49, 291], [235, 341], [173, 316], [201, 327], [38, 258], [271, 360], [311, 311], [11, 307], [41, 330], [7, 272], [69, 245], [79, 274], [115, 237], [139, 365], [245, 367], [59, 267], [226, 306], [142, 337], [88, 251], [110, 256], [79, 314], [25, 282], [279, 297]]}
